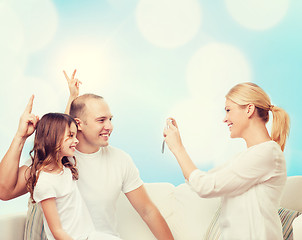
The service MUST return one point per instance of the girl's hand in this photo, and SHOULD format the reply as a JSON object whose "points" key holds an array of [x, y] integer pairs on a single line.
{"points": [[73, 84], [172, 135], [28, 121]]}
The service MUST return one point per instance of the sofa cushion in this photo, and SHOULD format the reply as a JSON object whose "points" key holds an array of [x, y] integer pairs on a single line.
{"points": [[12, 226], [185, 212], [194, 213], [287, 217], [213, 231]]}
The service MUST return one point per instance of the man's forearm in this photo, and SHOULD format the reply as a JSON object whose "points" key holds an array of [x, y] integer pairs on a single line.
{"points": [[9, 166], [158, 225]]}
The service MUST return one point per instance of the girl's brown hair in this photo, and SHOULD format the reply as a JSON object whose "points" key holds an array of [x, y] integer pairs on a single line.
{"points": [[251, 93], [47, 144]]}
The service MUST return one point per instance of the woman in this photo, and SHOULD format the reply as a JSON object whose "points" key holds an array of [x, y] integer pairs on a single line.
{"points": [[251, 183]]}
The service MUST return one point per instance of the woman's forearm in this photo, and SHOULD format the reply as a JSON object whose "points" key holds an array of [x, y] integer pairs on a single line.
{"points": [[186, 164]]}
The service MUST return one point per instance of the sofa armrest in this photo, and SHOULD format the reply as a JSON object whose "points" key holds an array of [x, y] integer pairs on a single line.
{"points": [[292, 194], [12, 226]]}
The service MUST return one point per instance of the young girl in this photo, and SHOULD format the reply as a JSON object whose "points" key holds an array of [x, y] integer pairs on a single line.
{"points": [[251, 184], [52, 180]]}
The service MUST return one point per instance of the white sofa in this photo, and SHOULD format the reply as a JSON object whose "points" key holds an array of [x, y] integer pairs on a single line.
{"points": [[188, 215]]}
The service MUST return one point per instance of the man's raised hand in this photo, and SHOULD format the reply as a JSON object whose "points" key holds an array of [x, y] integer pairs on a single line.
{"points": [[28, 121]]}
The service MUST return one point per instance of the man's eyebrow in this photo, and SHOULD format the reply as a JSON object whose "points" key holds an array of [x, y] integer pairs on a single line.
{"points": [[104, 117]]}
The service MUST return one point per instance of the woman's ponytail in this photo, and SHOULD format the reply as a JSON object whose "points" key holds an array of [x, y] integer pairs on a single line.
{"points": [[280, 126]]}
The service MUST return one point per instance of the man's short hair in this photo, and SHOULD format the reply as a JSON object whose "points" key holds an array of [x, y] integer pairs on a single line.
{"points": [[78, 105]]}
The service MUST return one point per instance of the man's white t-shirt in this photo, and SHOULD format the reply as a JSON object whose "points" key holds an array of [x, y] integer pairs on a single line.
{"points": [[103, 175], [251, 186]]}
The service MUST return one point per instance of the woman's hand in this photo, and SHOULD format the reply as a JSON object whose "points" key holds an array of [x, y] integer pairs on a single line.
{"points": [[172, 135], [73, 84], [173, 140], [28, 121]]}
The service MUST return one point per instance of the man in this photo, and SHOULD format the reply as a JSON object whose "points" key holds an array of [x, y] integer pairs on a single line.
{"points": [[104, 171]]}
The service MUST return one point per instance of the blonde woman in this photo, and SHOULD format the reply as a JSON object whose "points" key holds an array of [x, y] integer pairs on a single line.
{"points": [[252, 182]]}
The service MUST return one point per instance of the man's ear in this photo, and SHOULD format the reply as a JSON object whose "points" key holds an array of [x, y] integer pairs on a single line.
{"points": [[250, 110], [79, 122]]}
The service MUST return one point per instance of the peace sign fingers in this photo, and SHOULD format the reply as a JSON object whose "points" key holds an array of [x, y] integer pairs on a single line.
{"points": [[73, 84], [72, 76]]}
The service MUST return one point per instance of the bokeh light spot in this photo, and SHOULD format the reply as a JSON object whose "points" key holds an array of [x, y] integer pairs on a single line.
{"points": [[257, 14], [168, 23]]}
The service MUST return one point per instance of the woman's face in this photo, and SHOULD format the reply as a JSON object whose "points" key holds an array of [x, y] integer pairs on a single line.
{"points": [[236, 118], [69, 141]]}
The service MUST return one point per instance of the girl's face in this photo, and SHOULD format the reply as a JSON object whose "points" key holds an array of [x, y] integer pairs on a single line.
{"points": [[236, 118], [69, 141]]}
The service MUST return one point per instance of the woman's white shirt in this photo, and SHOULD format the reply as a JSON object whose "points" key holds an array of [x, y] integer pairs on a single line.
{"points": [[250, 185]]}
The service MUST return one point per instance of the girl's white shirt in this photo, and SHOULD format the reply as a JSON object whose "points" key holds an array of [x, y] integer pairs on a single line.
{"points": [[74, 215], [250, 185]]}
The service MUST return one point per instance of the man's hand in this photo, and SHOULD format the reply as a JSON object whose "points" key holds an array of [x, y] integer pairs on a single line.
{"points": [[28, 121], [13, 178], [73, 84]]}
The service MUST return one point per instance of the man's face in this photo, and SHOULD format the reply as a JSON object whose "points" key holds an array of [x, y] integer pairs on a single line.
{"points": [[96, 125]]}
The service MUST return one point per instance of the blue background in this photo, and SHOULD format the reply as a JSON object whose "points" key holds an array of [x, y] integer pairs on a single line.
{"points": [[152, 59]]}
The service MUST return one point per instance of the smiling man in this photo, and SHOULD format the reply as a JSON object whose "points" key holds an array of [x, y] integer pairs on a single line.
{"points": [[105, 171]]}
